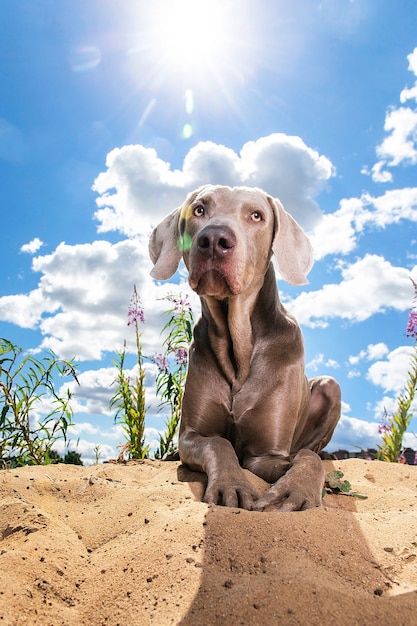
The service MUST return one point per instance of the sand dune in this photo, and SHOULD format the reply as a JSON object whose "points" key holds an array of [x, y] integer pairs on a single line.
{"points": [[133, 544]]}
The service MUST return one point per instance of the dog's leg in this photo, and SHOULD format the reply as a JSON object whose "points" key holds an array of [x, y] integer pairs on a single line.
{"points": [[324, 413], [301, 486], [226, 481]]}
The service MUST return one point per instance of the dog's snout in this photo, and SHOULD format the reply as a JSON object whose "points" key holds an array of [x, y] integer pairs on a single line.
{"points": [[216, 241]]}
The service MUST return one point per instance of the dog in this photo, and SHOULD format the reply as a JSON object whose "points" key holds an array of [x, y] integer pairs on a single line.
{"points": [[247, 403]]}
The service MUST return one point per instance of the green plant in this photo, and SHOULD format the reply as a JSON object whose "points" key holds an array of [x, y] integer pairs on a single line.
{"points": [[394, 427], [333, 483], [26, 383], [97, 453], [129, 399], [170, 381]]}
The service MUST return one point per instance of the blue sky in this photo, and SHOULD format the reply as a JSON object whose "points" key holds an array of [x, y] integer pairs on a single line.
{"points": [[110, 112]]}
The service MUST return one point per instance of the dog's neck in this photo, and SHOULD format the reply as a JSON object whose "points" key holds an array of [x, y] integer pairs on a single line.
{"points": [[230, 327]]}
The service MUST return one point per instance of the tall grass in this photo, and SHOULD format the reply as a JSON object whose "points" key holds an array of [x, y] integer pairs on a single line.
{"points": [[27, 384]]}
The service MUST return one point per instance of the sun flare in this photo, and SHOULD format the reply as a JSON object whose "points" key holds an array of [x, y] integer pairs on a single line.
{"points": [[189, 36]]}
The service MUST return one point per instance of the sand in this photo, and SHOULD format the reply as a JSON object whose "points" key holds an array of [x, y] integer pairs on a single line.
{"points": [[134, 544]]}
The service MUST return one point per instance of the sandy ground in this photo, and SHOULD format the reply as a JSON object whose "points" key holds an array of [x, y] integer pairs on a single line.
{"points": [[133, 544]]}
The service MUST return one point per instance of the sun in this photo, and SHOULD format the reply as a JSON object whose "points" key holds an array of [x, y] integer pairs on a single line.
{"points": [[191, 31], [196, 54], [190, 37]]}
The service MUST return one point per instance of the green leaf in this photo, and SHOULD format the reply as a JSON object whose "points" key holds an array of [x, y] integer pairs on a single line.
{"points": [[333, 483]]}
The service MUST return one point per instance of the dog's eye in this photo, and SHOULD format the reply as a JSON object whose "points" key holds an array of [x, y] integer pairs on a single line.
{"points": [[198, 211], [256, 216]]}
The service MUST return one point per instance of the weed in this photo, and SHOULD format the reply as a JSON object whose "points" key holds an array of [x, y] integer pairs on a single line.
{"points": [[25, 383]]}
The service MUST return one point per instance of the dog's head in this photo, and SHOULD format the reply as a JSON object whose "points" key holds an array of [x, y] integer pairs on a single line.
{"points": [[226, 237]]}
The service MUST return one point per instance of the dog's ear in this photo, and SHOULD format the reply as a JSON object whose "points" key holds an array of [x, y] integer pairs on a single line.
{"points": [[291, 247], [164, 248]]}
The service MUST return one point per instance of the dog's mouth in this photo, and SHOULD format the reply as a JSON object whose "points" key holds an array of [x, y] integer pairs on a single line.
{"points": [[213, 281]]}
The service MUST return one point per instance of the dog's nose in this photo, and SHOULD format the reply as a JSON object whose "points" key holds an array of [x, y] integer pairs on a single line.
{"points": [[217, 241]]}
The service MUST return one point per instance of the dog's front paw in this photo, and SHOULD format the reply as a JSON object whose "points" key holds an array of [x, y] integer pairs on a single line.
{"points": [[299, 489], [239, 493], [288, 496]]}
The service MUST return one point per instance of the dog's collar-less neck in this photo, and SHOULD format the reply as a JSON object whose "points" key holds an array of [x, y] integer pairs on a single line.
{"points": [[230, 328]]}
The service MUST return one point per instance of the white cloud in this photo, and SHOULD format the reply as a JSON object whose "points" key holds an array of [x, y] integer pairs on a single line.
{"points": [[33, 246], [377, 351], [91, 397], [354, 374], [144, 189], [286, 168], [371, 353], [355, 434], [138, 188], [93, 393], [332, 364], [319, 360], [80, 304], [25, 310], [82, 427], [368, 286], [410, 94], [412, 61], [391, 373], [337, 233], [354, 360], [381, 175], [387, 406], [400, 145], [314, 363], [95, 388], [391, 207]]}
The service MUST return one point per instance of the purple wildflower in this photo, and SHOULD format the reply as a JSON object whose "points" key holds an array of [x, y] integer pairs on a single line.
{"points": [[133, 315], [161, 362], [411, 330], [181, 356], [383, 428], [181, 303], [135, 312]]}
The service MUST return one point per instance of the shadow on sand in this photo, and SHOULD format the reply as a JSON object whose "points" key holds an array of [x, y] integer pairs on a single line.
{"points": [[312, 567]]}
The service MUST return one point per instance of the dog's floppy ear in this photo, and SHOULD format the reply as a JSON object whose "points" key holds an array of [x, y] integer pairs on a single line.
{"points": [[164, 247], [291, 247]]}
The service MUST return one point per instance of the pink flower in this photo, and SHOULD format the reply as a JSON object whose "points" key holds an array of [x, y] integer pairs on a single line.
{"points": [[411, 330], [181, 303], [383, 428], [135, 312], [161, 362], [181, 356], [133, 315]]}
